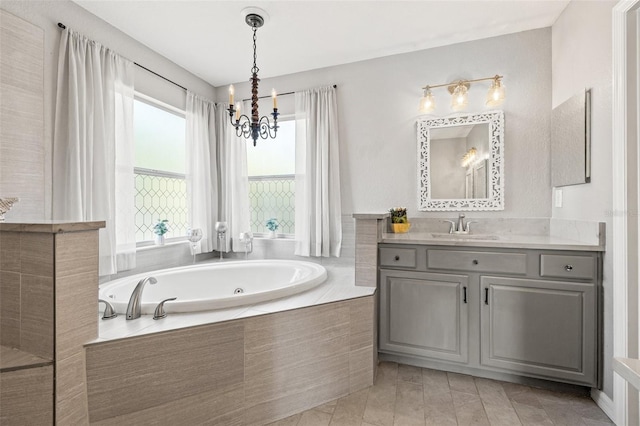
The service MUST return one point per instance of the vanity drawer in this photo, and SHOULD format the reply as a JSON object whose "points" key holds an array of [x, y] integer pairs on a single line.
{"points": [[398, 257], [563, 266], [506, 263]]}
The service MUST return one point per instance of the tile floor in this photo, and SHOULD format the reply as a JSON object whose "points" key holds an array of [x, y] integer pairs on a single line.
{"points": [[406, 395]]}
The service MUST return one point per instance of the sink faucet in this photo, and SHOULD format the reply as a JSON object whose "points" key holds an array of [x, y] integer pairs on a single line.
{"points": [[460, 227], [134, 308]]}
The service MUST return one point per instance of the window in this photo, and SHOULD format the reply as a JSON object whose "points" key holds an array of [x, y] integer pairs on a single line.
{"points": [[271, 170], [161, 189]]}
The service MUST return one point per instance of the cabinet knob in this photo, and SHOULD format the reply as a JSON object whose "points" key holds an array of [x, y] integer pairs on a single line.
{"points": [[396, 258], [475, 262], [568, 268]]}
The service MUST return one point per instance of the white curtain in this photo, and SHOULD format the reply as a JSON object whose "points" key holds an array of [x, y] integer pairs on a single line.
{"points": [[93, 146], [234, 182], [318, 208], [202, 170]]}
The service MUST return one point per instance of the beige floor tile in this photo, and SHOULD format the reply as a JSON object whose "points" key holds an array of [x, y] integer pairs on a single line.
{"points": [[387, 373], [527, 398], [512, 389], [329, 407], [491, 392], [438, 409], [501, 415], [462, 383], [587, 409], [561, 413], [434, 382], [381, 403], [289, 421], [409, 408], [314, 418], [532, 416], [409, 373], [590, 422], [469, 409], [350, 409]]}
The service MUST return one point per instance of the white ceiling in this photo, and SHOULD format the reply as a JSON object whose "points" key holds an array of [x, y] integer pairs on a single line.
{"points": [[211, 39]]}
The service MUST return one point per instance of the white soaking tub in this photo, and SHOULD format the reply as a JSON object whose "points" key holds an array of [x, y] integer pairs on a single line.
{"points": [[216, 285]]}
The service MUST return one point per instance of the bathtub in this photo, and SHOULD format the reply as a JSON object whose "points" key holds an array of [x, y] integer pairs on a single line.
{"points": [[216, 285]]}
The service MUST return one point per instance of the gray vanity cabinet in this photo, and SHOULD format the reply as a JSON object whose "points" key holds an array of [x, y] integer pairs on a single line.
{"points": [[424, 314], [491, 311], [545, 328]]}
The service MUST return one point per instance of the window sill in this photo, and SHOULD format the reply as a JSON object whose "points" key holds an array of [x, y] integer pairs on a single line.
{"points": [[152, 246]]}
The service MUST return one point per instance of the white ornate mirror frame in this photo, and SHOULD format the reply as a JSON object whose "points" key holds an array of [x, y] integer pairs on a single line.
{"points": [[495, 189]]}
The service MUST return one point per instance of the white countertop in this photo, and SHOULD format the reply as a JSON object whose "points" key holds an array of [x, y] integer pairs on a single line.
{"points": [[338, 286], [541, 242]]}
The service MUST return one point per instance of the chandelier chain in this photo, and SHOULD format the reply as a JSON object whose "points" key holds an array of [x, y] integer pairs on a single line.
{"points": [[255, 68]]}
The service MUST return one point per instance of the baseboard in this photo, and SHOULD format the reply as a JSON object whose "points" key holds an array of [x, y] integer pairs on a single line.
{"points": [[604, 402]]}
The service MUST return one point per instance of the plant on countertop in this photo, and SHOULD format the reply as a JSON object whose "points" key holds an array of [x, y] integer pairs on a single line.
{"points": [[399, 215], [272, 224], [161, 227]]}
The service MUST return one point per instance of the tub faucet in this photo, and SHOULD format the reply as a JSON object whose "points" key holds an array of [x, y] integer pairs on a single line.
{"points": [[134, 308]]}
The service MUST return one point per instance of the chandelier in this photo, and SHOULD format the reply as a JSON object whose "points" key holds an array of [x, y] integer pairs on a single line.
{"points": [[254, 126]]}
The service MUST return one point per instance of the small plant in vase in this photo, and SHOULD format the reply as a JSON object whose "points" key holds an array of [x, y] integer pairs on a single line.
{"points": [[272, 225], [399, 222], [159, 229]]}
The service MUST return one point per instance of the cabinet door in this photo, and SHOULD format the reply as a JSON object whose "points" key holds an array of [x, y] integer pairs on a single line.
{"points": [[539, 328], [424, 314]]}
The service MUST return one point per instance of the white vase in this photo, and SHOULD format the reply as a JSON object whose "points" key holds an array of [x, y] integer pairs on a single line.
{"points": [[272, 234], [158, 240]]}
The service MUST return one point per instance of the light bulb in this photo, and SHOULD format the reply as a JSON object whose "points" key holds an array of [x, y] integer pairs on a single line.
{"points": [[495, 96], [459, 99], [427, 103]]}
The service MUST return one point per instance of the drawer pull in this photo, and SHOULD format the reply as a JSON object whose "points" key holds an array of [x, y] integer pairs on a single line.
{"points": [[568, 268], [464, 292], [475, 262], [396, 258], [486, 295]]}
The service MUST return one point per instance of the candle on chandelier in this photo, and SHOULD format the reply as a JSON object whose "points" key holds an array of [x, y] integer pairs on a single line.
{"points": [[232, 92], [274, 95], [237, 111]]}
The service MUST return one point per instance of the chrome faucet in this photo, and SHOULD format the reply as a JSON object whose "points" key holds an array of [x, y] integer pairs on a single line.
{"points": [[460, 227], [134, 308]]}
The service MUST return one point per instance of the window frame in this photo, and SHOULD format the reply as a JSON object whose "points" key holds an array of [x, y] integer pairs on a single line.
{"points": [[156, 103]]}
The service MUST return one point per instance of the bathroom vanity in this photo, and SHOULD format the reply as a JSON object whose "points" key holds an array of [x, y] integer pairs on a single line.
{"points": [[525, 306]]}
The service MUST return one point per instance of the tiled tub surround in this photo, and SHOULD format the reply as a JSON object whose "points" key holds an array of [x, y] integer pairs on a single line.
{"points": [[250, 370], [48, 272]]}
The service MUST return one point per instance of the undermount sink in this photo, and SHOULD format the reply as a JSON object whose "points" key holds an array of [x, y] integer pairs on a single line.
{"points": [[485, 237]]}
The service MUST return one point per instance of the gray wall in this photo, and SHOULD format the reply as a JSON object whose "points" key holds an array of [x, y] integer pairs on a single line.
{"points": [[582, 58], [378, 106], [447, 175], [46, 15]]}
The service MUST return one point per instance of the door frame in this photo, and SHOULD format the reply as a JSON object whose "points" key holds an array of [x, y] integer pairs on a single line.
{"points": [[626, 173]]}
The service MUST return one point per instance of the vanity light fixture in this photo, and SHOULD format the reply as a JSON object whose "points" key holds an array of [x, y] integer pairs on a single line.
{"points": [[256, 125], [459, 94]]}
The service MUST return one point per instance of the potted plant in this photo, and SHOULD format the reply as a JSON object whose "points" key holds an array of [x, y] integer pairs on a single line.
{"points": [[399, 221], [272, 225], [159, 229]]}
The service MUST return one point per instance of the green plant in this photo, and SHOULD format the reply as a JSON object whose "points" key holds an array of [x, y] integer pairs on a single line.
{"points": [[399, 215], [161, 227], [272, 224]]}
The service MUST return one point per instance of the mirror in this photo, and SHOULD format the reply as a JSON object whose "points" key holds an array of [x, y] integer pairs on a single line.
{"points": [[460, 162], [571, 141]]}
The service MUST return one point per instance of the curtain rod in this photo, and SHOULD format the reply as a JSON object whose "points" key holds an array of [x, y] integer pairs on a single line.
{"points": [[335, 86], [63, 26]]}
